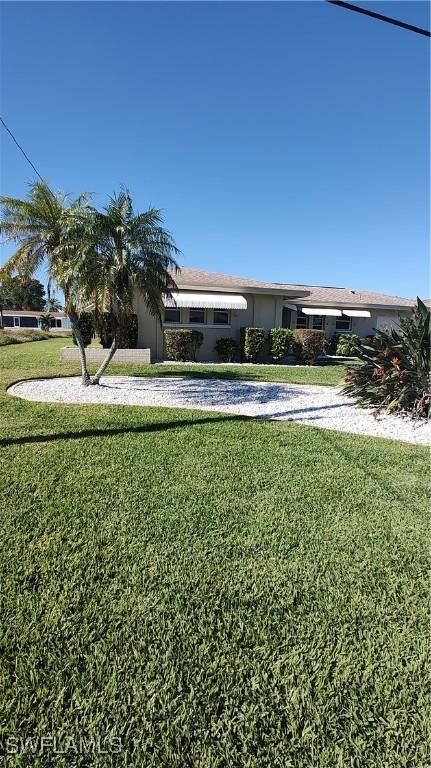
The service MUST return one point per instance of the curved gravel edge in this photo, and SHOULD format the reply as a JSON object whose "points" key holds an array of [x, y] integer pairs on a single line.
{"points": [[313, 405]]}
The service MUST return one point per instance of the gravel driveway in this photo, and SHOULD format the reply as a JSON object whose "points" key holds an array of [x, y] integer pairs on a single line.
{"points": [[316, 406]]}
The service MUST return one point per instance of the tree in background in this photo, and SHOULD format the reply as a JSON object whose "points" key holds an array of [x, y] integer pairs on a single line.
{"points": [[52, 304], [23, 293]]}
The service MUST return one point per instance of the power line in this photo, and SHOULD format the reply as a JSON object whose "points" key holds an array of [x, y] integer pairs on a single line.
{"points": [[21, 149], [380, 16]]}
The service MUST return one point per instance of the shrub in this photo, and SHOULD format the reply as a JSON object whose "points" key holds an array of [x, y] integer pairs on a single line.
{"points": [[181, 344], [309, 344], [227, 349], [127, 336], [20, 337], [280, 343], [252, 343], [86, 326], [394, 374], [347, 344]]}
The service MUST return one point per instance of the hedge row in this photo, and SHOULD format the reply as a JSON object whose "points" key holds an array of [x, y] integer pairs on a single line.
{"points": [[278, 343], [256, 345]]}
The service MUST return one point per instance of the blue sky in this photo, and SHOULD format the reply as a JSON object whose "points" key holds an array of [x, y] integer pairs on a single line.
{"points": [[285, 141]]}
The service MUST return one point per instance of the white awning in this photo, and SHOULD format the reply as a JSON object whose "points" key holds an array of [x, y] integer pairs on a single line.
{"points": [[206, 300], [321, 311], [356, 313]]}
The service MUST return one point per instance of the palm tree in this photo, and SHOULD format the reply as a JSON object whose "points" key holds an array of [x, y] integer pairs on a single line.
{"points": [[127, 252], [37, 226], [52, 304]]}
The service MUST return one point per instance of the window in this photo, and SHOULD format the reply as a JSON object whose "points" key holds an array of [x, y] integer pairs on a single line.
{"points": [[318, 322], [172, 316], [55, 322], [286, 318], [301, 320], [7, 321], [16, 322], [197, 316], [221, 317], [343, 324], [28, 322]]}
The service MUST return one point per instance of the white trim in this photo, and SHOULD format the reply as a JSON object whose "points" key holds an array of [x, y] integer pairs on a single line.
{"points": [[320, 311], [356, 313]]}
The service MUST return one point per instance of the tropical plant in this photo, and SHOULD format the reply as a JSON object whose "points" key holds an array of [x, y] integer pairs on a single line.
{"points": [[347, 343], [227, 349], [395, 370], [280, 343], [52, 304], [98, 258], [125, 252], [38, 227], [45, 321]]}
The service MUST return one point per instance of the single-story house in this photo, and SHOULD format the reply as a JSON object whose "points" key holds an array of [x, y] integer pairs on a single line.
{"points": [[220, 305], [14, 319]]}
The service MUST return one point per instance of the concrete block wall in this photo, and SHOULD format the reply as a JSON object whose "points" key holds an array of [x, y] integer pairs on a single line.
{"points": [[96, 355]]}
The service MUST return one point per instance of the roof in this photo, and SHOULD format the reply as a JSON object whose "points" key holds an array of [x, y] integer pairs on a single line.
{"points": [[31, 313], [311, 295], [199, 278], [327, 295]]}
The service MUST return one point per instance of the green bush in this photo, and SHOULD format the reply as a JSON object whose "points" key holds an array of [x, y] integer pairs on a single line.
{"points": [[227, 349], [86, 326], [252, 344], [181, 344], [45, 321], [280, 343], [127, 335], [395, 370], [21, 337], [309, 344], [347, 344]]}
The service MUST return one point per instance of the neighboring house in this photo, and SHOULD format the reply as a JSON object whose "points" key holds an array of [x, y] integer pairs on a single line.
{"points": [[220, 305], [14, 319]]}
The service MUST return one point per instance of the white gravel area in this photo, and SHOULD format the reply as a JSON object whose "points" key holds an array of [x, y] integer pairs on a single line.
{"points": [[316, 406]]}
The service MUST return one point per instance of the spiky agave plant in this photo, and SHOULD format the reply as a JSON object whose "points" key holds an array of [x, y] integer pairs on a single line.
{"points": [[395, 370]]}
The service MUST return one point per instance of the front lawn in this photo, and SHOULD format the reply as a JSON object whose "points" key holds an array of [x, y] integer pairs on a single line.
{"points": [[216, 591], [331, 374]]}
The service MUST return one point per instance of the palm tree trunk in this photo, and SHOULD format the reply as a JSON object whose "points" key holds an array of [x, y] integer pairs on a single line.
{"points": [[112, 350], [73, 317]]}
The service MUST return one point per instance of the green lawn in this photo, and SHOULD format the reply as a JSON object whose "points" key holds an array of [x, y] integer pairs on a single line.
{"points": [[328, 374], [218, 592]]}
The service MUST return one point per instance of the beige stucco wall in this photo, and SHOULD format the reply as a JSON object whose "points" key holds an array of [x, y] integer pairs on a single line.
{"points": [[263, 311], [362, 326]]}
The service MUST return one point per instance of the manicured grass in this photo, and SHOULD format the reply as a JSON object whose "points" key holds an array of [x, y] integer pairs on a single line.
{"points": [[218, 592], [329, 374]]}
